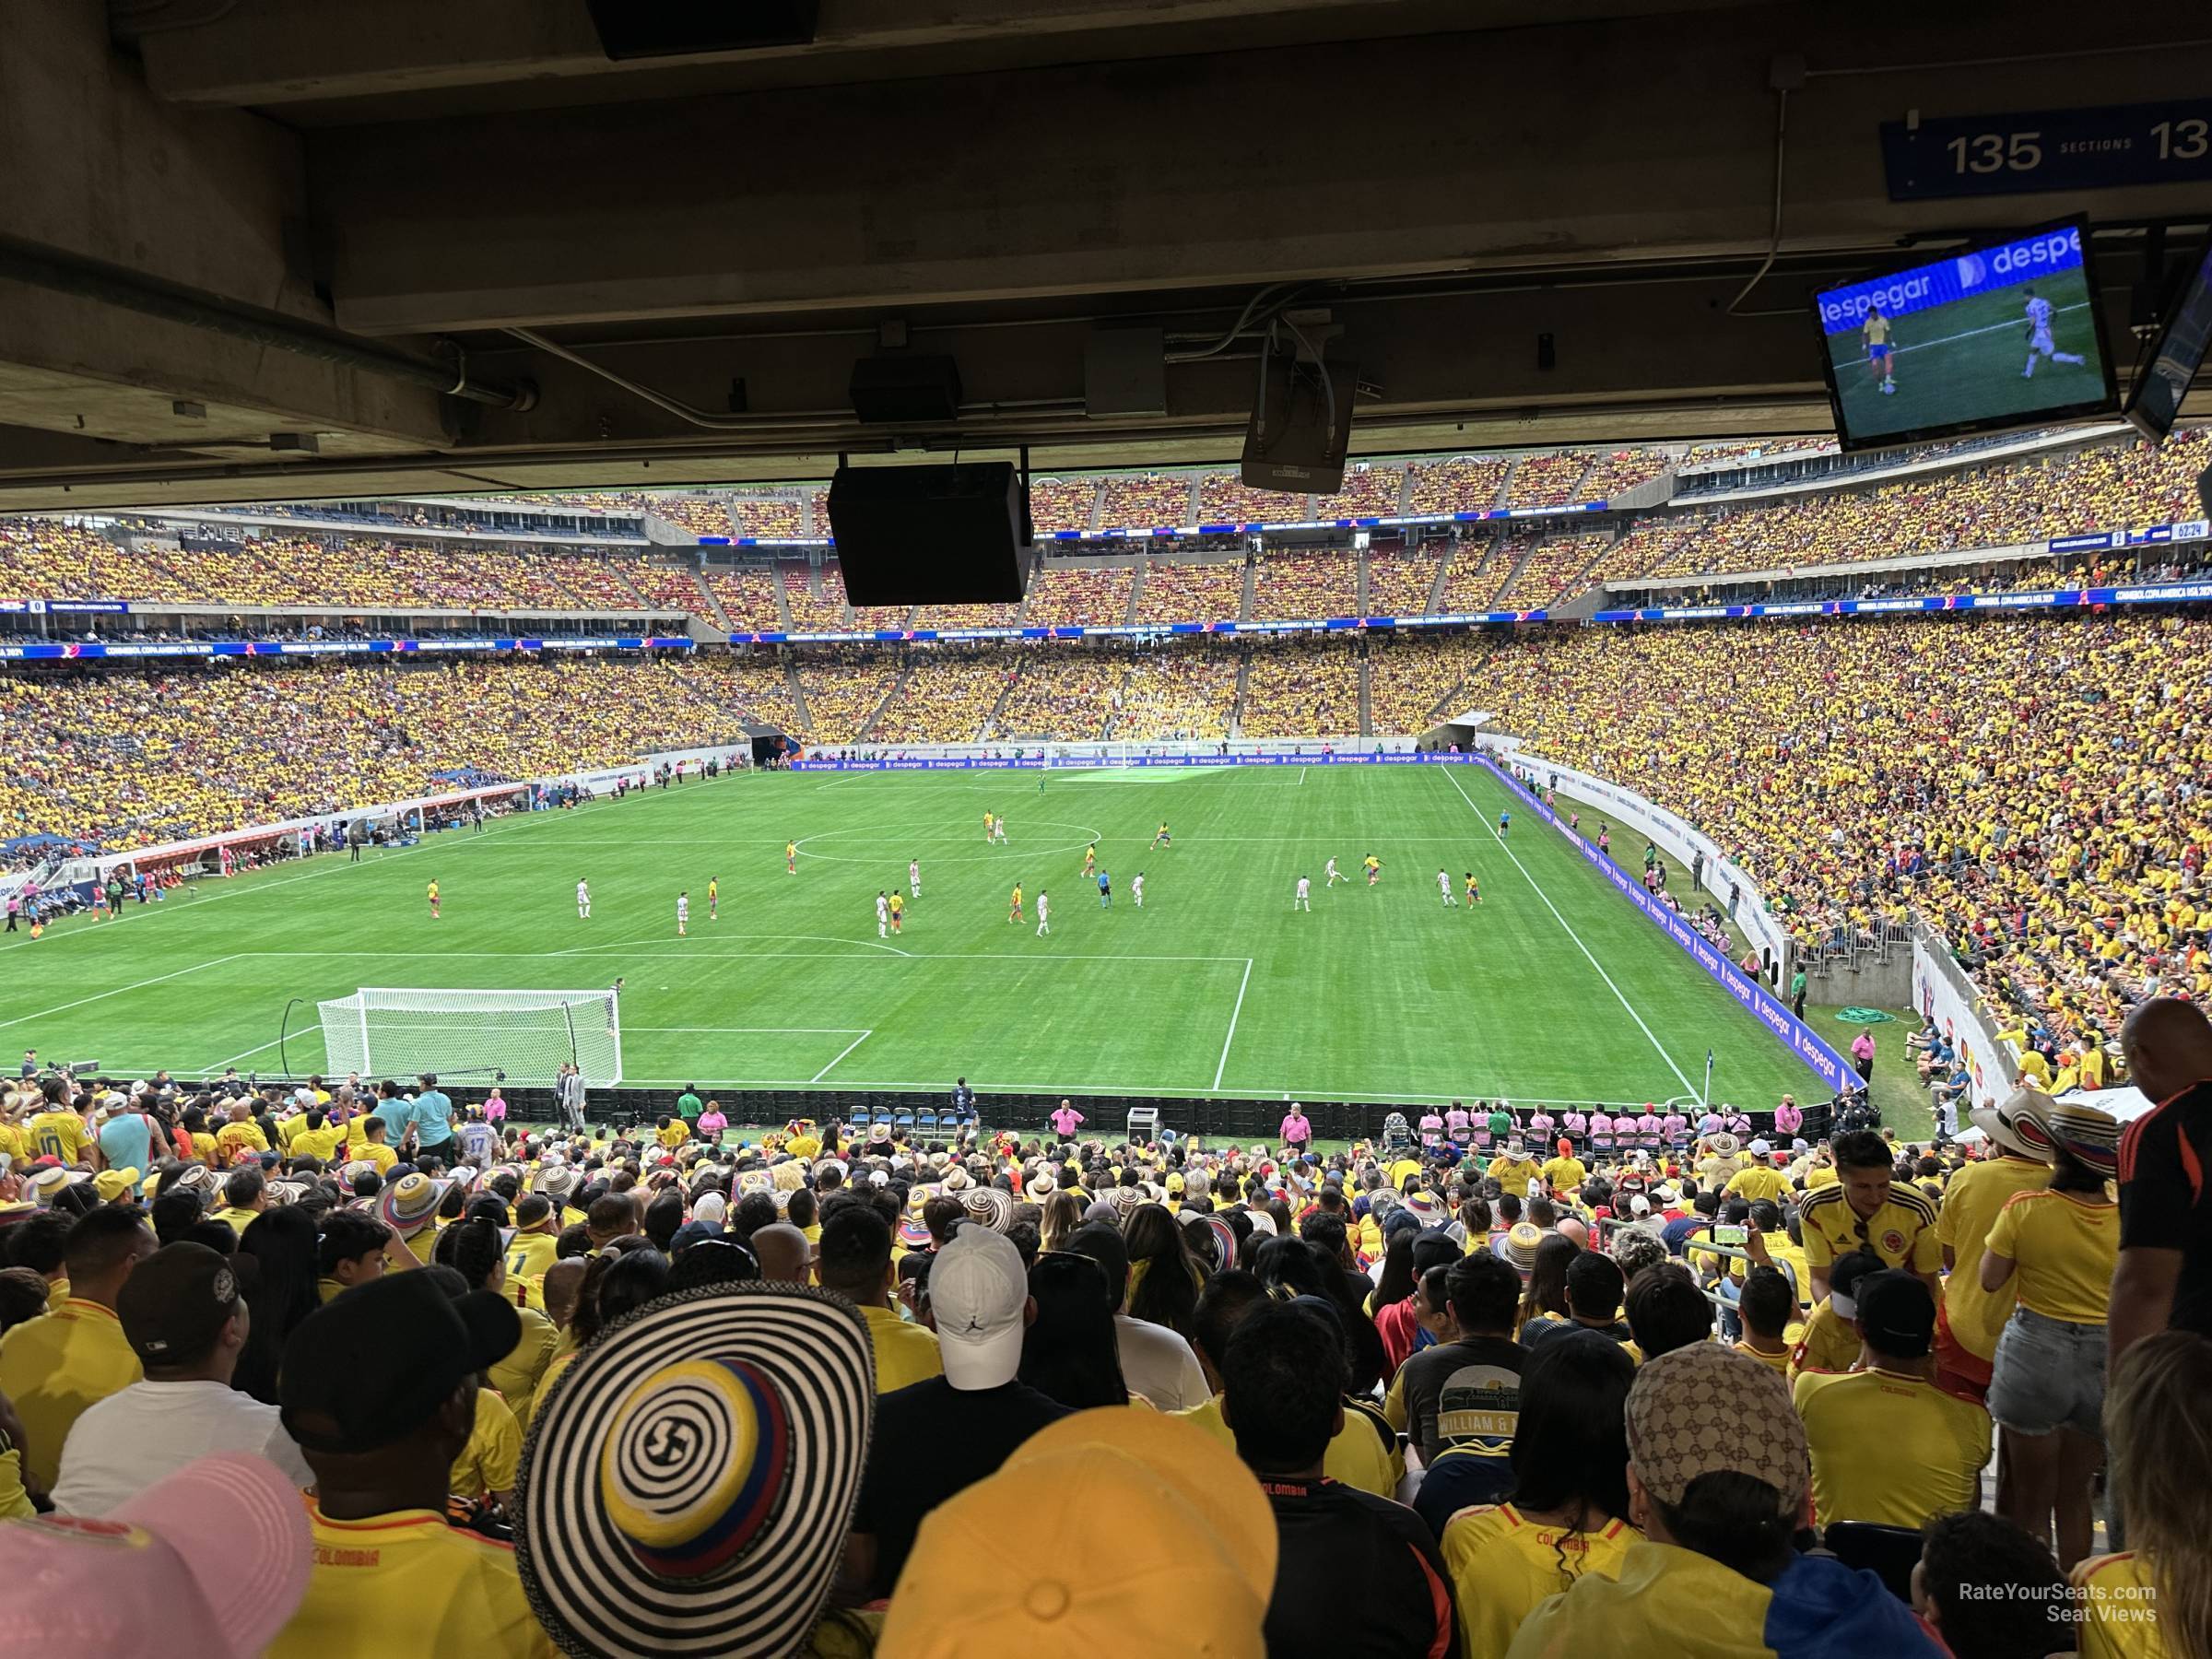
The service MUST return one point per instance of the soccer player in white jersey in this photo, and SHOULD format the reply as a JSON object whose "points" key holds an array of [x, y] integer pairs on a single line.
{"points": [[913, 876], [683, 912], [998, 830], [1136, 890], [1045, 914], [1305, 895], [1443, 886], [2039, 335], [883, 914], [583, 902], [1336, 876]]}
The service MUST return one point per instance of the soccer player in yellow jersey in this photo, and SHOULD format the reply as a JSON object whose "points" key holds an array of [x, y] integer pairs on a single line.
{"points": [[1164, 838], [1015, 914], [790, 858], [988, 821], [713, 898], [1090, 859], [1473, 890], [1373, 866], [898, 909], [433, 901], [1876, 331]]}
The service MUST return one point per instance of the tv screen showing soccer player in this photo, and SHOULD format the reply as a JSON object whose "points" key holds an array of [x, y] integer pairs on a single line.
{"points": [[2003, 333]]}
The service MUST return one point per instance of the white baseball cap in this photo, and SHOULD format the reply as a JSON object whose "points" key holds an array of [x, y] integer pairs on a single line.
{"points": [[981, 1296], [1761, 1150]]}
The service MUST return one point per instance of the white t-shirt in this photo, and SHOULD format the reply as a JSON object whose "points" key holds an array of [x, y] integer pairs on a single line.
{"points": [[1160, 1365], [127, 1441], [1304, 887]]}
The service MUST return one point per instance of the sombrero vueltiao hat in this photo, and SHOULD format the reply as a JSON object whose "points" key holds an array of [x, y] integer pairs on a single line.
{"points": [[2088, 1135], [957, 1180], [1225, 1243], [409, 1203], [688, 1487], [1726, 1144], [2020, 1122], [913, 1232], [989, 1205], [46, 1182]]}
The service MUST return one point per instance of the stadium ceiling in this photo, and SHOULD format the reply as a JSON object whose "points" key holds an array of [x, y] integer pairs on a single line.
{"points": [[254, 248]]}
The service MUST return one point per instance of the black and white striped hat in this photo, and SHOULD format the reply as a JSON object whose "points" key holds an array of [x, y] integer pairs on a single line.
{"points": [[688, 1486]]}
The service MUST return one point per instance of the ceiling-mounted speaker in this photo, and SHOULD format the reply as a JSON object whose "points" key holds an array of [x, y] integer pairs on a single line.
{"points": [[929, 535], [906, 388], [650, 29], [1301, 428]]}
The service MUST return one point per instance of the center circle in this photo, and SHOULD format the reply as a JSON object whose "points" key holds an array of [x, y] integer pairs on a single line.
{"points": [[1089, 836]]}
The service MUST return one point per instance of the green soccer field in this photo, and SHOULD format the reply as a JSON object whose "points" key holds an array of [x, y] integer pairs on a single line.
{"points": [[1963, 361], [1553, 990]]}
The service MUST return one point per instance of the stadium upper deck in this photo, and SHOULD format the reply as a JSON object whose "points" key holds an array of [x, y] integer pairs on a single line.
{"points": [[641, 557]]}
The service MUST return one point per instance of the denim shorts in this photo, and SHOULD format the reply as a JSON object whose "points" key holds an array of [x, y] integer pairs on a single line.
{"points": [[2048, 1374]]}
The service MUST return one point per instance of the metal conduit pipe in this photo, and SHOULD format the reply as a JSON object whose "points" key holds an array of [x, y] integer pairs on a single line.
{"points": [[112, 284]]}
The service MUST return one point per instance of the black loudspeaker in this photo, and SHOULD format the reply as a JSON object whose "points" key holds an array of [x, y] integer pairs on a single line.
{"points": [[644, 28], [906, 388], [929, 535], [1290, 445]]}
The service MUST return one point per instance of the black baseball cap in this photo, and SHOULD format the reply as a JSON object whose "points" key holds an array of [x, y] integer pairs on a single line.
{"points": [[370, 1366], [176, 1302], [1897, 1315]]}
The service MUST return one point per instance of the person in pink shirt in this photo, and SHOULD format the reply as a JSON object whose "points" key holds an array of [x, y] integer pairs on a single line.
{"points": [[1297, 1131], [1674, 1126], [1648, 1122], [1540, 1126], [1066, 1120], [711, 1122], [1789, 1117], [1601, 1128], [1432, 1128], [1576, 1124], [1456, 1124], [495, 1106]]}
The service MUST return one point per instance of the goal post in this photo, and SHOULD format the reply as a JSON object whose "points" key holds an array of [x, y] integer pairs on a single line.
{"points": [[398, 1031]]}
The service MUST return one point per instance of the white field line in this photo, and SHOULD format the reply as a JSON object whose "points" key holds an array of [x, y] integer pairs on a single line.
{"points": [[1568, 928], [841, 1055], [1233, 1013], [119, 991]]}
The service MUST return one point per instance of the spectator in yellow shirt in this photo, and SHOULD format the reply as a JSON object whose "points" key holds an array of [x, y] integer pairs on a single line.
{"points": [[379, 1388], [2161, 1481], [54, 1368], [1569, 1513], [855, 1263], [240, 1134], [673, 1133], [1887, 1444]]}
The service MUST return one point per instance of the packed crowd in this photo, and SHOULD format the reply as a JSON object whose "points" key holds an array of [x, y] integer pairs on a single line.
{"points": [[1553, 571], [700, 514], [1174, 591], [1487, 1383], [841, 697], [2034, 787], [747, 598], [1184, 694], [1410, 677], [1145, 500], [1549, 479], [952, 696], [1290, 586], [1301, 686], [1480, 569], [2114, 488], [1062, 503], [1463, 484], [1399, 583], [1225, 499], [815, 600], [1061, 696], [1071, 595], [129, 758], [1370, 491], [782, 514]]}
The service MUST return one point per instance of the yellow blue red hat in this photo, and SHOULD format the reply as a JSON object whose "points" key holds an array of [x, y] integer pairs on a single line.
{"points": [[688, 1485]]}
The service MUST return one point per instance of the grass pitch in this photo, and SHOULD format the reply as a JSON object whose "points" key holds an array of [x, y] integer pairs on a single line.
{"points": [[1553, 989], [1963, 361]]}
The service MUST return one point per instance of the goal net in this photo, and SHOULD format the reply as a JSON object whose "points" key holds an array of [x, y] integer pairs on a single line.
{"points": [[398, 1032]]}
